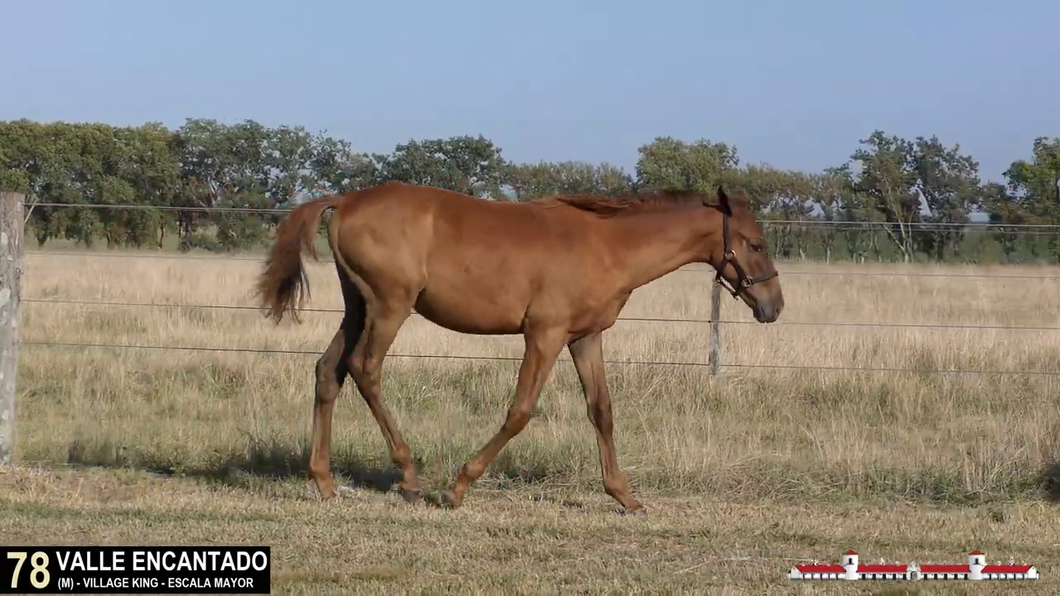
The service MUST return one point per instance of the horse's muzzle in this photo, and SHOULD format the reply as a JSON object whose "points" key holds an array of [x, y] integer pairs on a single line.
{"points": [[766, 313]]}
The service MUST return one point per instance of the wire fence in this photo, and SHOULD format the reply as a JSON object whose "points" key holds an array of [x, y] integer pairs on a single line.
{"points": [[695, 270], [660, 363], [825, 223], [700, 321], [1046, 274], [842, 240], [465, 357]]}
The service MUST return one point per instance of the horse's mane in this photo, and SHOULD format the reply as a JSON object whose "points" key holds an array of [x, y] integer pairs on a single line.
{"points": [[626, 203]]}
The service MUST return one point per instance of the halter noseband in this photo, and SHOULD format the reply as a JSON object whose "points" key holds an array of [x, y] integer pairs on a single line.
{"points": [[744, 280]]}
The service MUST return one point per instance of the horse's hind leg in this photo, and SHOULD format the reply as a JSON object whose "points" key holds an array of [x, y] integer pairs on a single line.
{"points": [[331, 372], [384, 319]]}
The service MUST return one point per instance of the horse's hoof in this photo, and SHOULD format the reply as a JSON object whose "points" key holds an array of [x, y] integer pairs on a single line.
{"points": [[411, 496], [641, 512]]}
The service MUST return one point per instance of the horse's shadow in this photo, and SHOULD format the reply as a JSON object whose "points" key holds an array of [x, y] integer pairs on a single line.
{"points": [[1050, 482], [284, 462], [262, 462], [242, 470]]}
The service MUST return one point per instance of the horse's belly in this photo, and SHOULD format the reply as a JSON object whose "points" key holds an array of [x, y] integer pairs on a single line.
{"points": [[493, 310]]}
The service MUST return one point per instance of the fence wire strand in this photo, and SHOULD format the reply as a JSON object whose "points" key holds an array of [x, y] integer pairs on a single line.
{"points": [[845, 225], [694, 321], [690, 270], [262, 351]]}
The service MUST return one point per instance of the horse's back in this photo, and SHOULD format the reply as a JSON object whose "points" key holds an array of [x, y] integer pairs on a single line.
{"points": [[442, 224]]}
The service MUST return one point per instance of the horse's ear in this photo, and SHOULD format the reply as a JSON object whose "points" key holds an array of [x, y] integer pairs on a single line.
{"points": [[722, 202]]}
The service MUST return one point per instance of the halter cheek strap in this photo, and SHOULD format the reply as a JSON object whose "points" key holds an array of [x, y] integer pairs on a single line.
{"points": [[745, 281]]}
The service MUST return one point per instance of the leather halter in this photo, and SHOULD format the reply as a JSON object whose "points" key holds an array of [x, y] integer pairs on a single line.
{"points": [[745, 281]]}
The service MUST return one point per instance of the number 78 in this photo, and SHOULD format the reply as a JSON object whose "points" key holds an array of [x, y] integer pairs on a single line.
{"points": [[38, 567]]}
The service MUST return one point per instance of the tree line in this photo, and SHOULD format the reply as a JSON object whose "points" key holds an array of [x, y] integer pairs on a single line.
{"points": [[894, 199]]}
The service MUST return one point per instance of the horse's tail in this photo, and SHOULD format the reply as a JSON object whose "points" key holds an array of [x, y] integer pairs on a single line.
{"points": [[283, 286]]}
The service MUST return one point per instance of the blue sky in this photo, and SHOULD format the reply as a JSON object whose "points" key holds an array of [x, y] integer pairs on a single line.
{"points": [[792, 83]]}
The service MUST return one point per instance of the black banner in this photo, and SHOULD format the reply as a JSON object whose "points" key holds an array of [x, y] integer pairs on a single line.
{"points": [[135, 569]]}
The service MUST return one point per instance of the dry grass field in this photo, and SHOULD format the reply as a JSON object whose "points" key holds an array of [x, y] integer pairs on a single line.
{"points": [[743, 475]]}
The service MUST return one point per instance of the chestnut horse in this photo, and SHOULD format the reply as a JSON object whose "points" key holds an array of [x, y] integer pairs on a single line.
{"points": [[557, 271]]}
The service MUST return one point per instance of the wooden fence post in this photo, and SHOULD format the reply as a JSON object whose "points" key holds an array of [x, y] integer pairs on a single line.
{"points": [[715, 328], [11, 224]]}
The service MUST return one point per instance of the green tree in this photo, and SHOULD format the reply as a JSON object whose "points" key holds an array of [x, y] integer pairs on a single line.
{"points": [[1004, 211], [781, 197], [890, 184], [337, 168], [1035, 187], [40, 161], [471, 165], [531, 181], [887, 176], [289, 154], [244, 165], [949, 183], [671, 164], [836, 195]]}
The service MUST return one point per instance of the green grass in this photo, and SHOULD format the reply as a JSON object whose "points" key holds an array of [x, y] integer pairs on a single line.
{"points": [[529, 540], [742, 473]]}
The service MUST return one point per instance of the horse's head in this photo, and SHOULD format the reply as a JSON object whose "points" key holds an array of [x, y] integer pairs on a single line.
{"points": [[744, 266]]}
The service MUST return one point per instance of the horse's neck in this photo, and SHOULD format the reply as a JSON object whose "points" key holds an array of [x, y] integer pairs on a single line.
{"points": [[650, 245]]}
